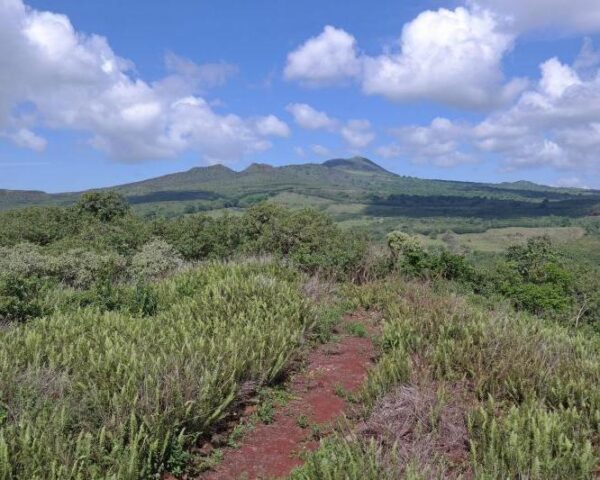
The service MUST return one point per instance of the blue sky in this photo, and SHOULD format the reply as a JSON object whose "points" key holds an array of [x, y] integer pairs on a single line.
{"points": [[99, 93]]}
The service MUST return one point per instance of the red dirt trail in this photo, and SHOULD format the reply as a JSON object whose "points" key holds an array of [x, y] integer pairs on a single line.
{"points": [[273, 451]]}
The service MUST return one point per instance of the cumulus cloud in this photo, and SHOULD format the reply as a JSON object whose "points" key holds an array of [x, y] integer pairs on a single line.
{"points": [[328, 58], [272, 126], [299, 151], [309, 118], [451, 56], [23, 137], [357, 133], [53, 76], [556, 124], [570, 182], [436, 144], [573, 15], [321, 150]]}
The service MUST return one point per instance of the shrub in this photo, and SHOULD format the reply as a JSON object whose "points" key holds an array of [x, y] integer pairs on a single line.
{"points": [[20, 298], [405, 248], [103, 205], [338, 458], [411, 258], [535, 278], [81, 269], [200, 237], [27, 260], [155, 260], [36, 225], [307, 237]]}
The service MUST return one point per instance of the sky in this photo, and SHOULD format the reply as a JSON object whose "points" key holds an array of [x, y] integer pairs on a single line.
{"points": [[95, 94]]}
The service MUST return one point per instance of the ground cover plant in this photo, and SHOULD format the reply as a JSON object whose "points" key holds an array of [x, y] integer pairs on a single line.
{"points": [[105, 395]]}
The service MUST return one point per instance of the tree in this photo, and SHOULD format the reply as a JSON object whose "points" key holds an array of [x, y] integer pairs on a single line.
{"points": [[104, 205]]}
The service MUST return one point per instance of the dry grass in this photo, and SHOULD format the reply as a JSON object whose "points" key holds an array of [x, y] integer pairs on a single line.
{"points": [[423, 425]]}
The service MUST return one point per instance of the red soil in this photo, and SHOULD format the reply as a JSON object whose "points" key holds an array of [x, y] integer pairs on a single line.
{"points": [[273, 451]]}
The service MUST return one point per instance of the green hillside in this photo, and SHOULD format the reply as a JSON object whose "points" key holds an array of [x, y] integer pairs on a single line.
{"points": [[348, 189]]}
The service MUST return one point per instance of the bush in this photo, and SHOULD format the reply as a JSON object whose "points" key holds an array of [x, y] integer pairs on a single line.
{"points": [[20, 298], [27, 260], [411, 258], [103, 205], [530, 442], [200, 237], [535, 278], [81, 269], [155, 260], [36, 225]]}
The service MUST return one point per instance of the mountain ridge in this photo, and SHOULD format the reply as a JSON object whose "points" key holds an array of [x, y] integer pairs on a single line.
{"points": [[343, 181]]}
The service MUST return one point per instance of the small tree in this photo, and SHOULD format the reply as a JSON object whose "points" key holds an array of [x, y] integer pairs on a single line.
{"points": [[105, 205]]}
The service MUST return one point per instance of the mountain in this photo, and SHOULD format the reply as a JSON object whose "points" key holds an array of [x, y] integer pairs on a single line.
{"points": [[345, 187]]}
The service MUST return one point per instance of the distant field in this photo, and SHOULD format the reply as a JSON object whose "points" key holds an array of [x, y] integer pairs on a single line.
{"points": [[587, 247], [298, 200], [498, 239]]}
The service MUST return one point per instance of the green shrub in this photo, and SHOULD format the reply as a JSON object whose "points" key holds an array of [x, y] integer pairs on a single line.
{"points": [[535, 278], [407, 252], [26, 260], [20, 298], [82, 269], [36, 225], [155, 260], [103, 205], [199, 237]]}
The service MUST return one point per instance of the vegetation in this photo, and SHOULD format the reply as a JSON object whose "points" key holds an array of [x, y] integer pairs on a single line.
{"points": [[127, 341], [354, 189]]}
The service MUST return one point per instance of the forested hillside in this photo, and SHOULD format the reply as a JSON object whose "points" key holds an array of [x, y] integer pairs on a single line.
{"points": [[353, 188]]}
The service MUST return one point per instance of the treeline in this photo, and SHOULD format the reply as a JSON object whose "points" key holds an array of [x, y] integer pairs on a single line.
{"points": [[98, 253], [101, 254]]}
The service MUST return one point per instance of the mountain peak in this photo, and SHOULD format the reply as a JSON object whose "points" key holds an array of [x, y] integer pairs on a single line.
{"points": [[258, 167], [355, 163]]}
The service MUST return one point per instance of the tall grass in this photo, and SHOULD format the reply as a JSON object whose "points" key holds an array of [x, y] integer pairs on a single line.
{"points": [[89, 395], [534, 384]]}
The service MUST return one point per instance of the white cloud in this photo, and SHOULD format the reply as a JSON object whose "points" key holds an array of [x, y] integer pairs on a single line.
{"points": [[572, 15], [25, 138], [557, 78], [196, 76], [357, 133], [299, 151], [328, 58], [311, 119], [67, 80], [570, 182], [437, 144], [588, 59], [321, 150], [450, 56], [554, 124], [272, 126]]}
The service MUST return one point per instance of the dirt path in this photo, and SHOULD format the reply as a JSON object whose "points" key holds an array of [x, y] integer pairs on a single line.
{"points": [[273, 451]]}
